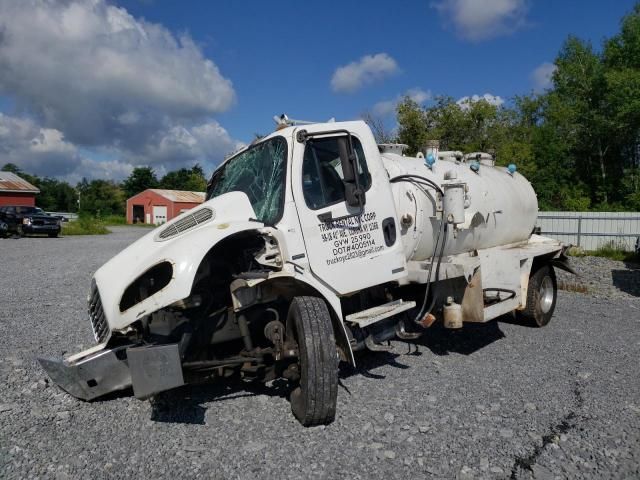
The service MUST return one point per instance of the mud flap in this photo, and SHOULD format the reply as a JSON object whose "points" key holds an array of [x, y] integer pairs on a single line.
{"points": [[155, 369]]}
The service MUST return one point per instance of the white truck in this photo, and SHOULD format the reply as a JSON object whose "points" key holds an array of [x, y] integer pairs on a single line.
{"points": [[314, 242]]}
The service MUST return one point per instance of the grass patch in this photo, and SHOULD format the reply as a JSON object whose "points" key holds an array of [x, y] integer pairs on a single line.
{"points": [[114, 220], [610, 250], [613, 251], [122, 220], [84, 225]]}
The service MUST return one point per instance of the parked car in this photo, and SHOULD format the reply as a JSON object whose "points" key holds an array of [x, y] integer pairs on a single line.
{"points": [[22, 220], [4, 228]]}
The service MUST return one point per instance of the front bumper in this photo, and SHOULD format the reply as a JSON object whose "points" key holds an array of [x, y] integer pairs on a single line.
{"points": [[91, 373], [99, 370], [41, 229]]}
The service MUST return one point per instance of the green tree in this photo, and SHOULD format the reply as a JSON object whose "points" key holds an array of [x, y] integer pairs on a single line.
{"points": [[140, 179], [191, 179], [467, 127], [101, 198], [56, 195]]}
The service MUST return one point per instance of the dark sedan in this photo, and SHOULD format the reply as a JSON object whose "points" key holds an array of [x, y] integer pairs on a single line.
{"points": [[22, 220]]}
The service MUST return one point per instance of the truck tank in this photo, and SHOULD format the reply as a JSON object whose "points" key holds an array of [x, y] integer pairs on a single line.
{"points": [[488, 205]]}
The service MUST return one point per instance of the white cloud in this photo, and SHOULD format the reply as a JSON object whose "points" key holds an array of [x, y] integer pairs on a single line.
{"points": [[36, 149], [45, 152], [542, 76], [386, 108], [367, 70], [180, 146], [465, 102], [477, 20], [85, 73]]}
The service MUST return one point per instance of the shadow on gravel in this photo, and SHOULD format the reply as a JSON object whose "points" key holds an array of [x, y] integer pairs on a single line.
{"points": [[627, 280], [437, 339], [185, 404], [467, 340]]}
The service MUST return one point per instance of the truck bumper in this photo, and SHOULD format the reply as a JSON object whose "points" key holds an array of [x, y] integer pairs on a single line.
{"points": [[99, 370], [91, 373]]}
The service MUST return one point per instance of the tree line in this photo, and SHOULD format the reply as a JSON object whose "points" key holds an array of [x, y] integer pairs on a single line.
{"points": [[578, 142], [106, 197]]}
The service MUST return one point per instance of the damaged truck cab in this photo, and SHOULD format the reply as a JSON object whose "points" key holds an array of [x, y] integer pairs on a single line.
{"points": [[312, 243]]}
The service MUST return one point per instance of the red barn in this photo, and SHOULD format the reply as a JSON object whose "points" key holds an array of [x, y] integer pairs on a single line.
{"points": [[16, 191], [158, 206]]}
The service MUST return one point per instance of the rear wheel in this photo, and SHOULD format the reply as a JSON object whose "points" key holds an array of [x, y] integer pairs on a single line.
{"points": [[314, 398], [542, 293]]}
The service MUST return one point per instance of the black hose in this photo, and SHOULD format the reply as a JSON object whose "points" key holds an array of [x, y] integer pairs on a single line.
{"points": [[417, 177], [419, 181], [422, 312]]}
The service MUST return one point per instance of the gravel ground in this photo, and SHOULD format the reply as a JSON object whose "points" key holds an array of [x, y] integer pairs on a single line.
{"points": [[493, 401]]}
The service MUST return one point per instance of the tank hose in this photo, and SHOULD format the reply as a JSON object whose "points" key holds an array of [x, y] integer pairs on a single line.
{"points": [[409, 177], [422, 312]]}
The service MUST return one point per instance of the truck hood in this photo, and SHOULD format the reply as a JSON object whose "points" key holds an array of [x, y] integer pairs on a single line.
{"points": [[184, 241]]}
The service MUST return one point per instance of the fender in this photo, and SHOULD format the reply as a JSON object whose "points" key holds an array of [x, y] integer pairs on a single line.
{"points": [[310, 283], [185, 251]]}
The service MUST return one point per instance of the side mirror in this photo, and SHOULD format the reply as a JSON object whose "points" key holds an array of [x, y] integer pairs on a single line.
{"points": [[354, 193]]}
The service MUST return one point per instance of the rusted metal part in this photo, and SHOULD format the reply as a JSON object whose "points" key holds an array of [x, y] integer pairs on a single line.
{"points": [[10, 182], [427, 320], [472, 300], [402, 333]]}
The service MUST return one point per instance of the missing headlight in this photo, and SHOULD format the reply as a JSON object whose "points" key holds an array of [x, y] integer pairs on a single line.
{"points": [[147, 284]]}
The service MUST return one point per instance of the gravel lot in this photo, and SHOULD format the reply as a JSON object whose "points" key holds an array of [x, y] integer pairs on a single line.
{"points": [[493, 401]]}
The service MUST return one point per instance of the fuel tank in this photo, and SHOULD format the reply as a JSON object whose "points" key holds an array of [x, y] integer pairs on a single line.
{"points": [[485, 205]]}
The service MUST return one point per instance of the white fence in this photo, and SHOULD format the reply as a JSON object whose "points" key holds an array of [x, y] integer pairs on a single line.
{"points": [[591, 230]]}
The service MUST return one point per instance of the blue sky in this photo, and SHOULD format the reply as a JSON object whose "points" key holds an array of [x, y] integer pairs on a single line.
{"points": [[112, 85]]}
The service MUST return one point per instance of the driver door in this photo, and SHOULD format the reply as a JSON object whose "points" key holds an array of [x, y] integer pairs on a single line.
{"points": [[348, 248]]}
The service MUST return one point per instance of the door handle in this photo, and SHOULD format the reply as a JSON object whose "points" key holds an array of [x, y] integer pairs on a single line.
{"points": [[389, 231]]}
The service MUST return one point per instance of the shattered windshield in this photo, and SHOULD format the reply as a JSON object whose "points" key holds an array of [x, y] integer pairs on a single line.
{"points": [[259, 172]]}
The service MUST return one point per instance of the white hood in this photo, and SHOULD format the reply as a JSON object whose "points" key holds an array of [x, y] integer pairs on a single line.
{"points": [[231, 214]]}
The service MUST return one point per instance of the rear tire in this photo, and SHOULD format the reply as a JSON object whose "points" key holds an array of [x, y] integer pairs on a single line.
{"points": [[314, 398], [542, 294]]}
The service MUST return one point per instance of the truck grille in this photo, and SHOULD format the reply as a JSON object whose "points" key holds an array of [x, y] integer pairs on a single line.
{"points": [[96, 315], [189, 221]]}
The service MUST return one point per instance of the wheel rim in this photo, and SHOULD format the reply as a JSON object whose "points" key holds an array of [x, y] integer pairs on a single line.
{"points": [[546, 294]]}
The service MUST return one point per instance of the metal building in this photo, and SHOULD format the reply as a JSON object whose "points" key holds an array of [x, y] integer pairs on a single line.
{"points": [[156, 206], [16, 191]]}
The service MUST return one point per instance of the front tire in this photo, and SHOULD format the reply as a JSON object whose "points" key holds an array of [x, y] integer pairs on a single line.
{"points": [[313, 400], [542, 294]]}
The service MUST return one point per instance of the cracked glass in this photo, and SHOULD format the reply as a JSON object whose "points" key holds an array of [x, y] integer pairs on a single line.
{"points": [[259, 172]]}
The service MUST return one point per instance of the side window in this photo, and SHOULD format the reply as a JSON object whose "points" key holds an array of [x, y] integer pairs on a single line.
{"points": [[322, 172]]}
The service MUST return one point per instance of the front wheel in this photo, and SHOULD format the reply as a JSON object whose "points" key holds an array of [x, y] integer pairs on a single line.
{"points": [[542, 293], [314, 398]]}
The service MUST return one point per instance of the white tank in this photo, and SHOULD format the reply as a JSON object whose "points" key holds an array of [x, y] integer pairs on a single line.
{"points": [[498, 207]]}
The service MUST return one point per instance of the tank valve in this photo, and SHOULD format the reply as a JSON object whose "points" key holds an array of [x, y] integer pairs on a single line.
{"points": [[429, 161], [407, 220], [475, 166], [452, 314], [511, 169]]}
